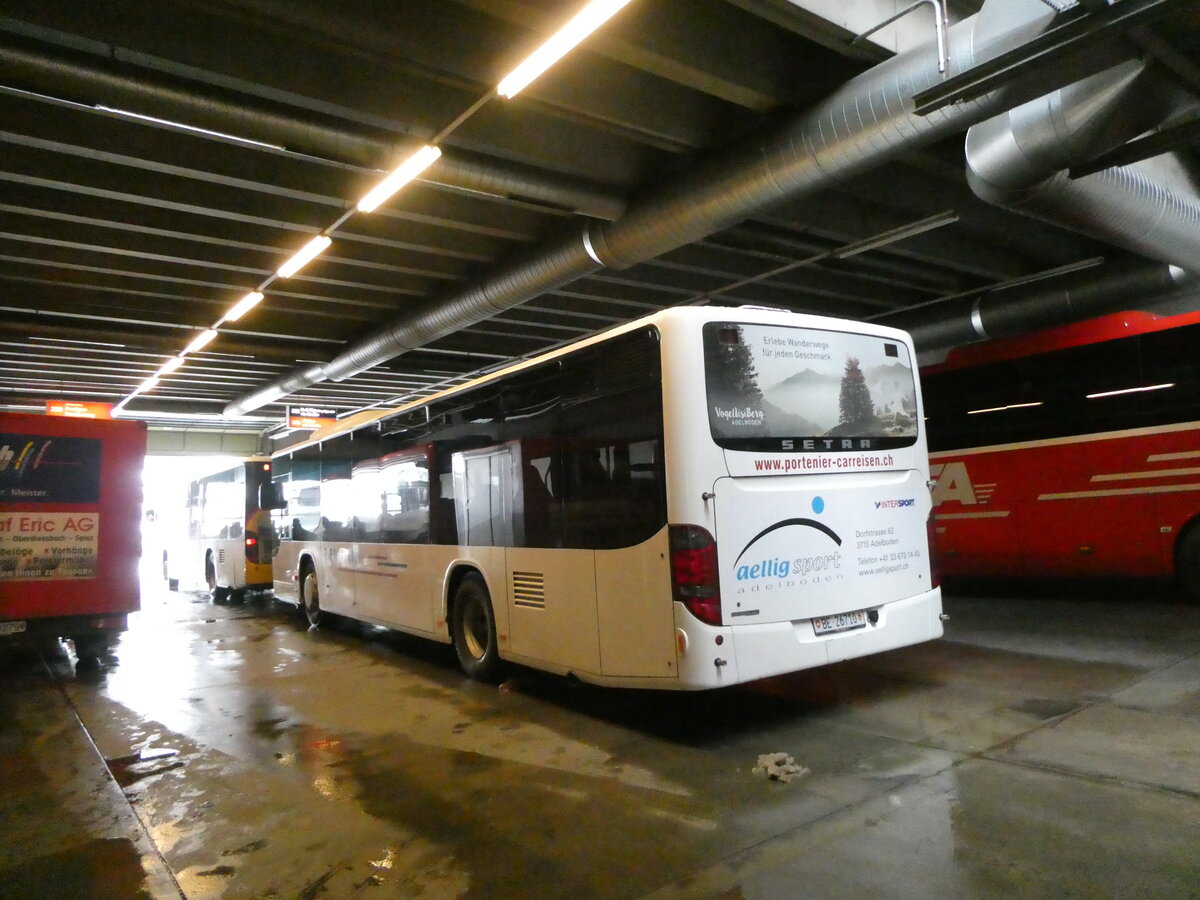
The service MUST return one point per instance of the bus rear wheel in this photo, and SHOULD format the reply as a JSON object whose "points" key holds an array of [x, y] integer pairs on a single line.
{"points": [[473, 630], [310, 597], [1187, 559], [219, 594]]}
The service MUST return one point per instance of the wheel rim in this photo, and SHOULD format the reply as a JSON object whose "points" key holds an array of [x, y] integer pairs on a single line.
{"points": [[475, 628], [312, 602]]}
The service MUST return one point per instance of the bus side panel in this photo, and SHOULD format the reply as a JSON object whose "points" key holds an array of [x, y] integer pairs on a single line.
{"points": [[633, 585], [391, 583], [1070, 507], [286, 574], [229, 557], [552, 607], [335, 573], [974, 516]]}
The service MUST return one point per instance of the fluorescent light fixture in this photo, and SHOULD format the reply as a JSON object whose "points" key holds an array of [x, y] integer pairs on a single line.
{"points": [[559, 45], [975, 412], [170, 366], [243, 306], [200, 341], [185, 127], [147, 385], [304, 256], [69, 341], [912, 229], [404, 173], [1134, 390]]}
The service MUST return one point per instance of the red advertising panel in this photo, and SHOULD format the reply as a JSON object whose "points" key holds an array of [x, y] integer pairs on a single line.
{"points": [[70, 516]]}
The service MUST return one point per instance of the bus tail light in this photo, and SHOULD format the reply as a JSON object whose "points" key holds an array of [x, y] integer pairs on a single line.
{"points": [[935, 564], [694, 572], [251, 548]]}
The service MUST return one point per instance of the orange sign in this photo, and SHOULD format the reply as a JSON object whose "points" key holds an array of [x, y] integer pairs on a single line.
{"points": [[77, 409], [310, 417]]}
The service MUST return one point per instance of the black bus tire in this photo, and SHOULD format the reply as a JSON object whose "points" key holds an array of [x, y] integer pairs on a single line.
{"points": [[310, 596], [473, 630], [1187, 559]]}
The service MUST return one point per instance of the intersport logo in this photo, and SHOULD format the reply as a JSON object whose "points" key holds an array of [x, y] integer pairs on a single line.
{"points": [[895, 504]]}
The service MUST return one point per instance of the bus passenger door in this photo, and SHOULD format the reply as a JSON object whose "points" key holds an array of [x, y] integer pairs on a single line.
{"points": [[335, 531]]}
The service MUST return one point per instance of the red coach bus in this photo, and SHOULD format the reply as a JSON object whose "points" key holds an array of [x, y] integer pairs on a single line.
{"points": [[1070, 452], [70, 538]]}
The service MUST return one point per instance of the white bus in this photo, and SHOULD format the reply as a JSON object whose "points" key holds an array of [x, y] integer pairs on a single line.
{"points": [[229, 537], [702, 497]]}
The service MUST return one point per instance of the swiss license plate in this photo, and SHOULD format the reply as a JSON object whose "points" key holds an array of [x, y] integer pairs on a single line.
{"points": [[840, 622], [11, 627]]}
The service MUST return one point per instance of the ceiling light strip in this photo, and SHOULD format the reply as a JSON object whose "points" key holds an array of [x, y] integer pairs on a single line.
{"points": [[403, 174], [584, 23], [562, 42], [304, 256], [200, 341], [243, 306]]}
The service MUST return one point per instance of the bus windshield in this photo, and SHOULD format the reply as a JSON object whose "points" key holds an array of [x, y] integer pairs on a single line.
{"points": [[774, 387]]}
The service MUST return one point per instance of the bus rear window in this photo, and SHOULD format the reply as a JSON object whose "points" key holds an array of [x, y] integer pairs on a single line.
{"points": [[775, 388]]}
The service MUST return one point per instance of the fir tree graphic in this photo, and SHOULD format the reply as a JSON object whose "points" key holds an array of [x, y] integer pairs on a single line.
{"points": [[854, 401], [731, 373]]}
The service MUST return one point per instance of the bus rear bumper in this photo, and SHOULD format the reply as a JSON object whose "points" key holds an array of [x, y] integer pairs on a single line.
{"points": [[761, 651]]}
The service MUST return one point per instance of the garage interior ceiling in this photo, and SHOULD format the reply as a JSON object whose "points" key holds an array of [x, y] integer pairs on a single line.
{"points": [[160, 160]]}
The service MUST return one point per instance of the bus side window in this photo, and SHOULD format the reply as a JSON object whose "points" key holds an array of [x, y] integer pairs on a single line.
{"points": [[612, 404], [444, 513]]}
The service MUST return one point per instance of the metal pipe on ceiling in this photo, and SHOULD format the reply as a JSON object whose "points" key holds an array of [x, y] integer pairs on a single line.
{"points": [[865, 123], [1018, 310], [1020, 159], [118, 87]]}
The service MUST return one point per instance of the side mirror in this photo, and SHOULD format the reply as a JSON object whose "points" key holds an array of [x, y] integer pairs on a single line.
{"points": [[270, 496]]}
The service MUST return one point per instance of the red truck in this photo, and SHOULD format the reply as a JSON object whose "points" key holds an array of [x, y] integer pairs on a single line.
{"points": [[70, 520]]}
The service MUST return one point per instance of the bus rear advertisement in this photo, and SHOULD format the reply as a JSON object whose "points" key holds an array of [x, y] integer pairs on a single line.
{"points": [[703, 497], [70, 519]]}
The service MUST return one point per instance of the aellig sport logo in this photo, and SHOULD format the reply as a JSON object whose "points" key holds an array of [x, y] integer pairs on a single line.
{"points": [[804, 568]]}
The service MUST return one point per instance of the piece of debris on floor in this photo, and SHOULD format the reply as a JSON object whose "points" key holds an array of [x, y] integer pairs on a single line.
{"points": [[779, 767]]}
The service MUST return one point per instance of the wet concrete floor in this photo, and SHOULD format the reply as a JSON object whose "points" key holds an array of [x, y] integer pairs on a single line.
{"points": [[1049, 746]]}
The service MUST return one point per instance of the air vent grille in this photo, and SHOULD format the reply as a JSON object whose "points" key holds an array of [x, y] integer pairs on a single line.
{"points": [[529, 590]]}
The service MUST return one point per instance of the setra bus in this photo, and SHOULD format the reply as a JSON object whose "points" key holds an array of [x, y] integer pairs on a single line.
{"points": [[702, 497], [229, 539], [1074, 451]]}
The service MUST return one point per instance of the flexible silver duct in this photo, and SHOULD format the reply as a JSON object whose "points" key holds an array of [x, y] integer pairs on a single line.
{"points": [[866, 122], [1019, 159], [1004, 313], [124, 90], [863, 124], [548, 270]]}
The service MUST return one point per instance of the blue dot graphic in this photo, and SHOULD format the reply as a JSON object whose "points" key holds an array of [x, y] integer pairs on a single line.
{"points": [[818, 505]]}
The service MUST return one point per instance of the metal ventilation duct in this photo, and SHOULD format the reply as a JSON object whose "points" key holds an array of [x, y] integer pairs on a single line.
{"points": [[1019, 161], [120, 85], [1017, 310], [866, 122]]}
